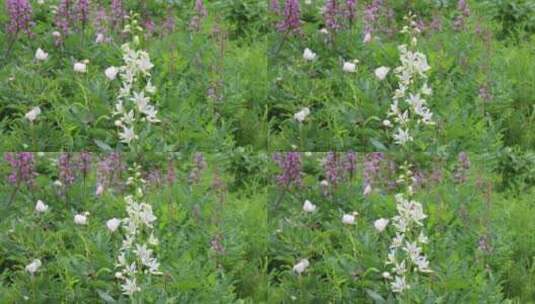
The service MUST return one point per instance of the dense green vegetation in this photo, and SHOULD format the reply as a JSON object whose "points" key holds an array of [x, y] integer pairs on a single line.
{"points": [[275, 151]]}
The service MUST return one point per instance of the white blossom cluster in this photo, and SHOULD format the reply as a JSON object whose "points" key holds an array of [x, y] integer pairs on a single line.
{"points": [[408, 110], [133, 102], [408, 103], [136, 257], [406, 254]]}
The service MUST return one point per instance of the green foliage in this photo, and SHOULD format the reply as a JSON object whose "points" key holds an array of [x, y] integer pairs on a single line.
{"points": [[516, 17]]}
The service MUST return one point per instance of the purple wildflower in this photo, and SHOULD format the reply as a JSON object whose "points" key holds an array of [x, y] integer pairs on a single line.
{"points": [[275, 7], [330, 14], [351, 10], [84, 163], [22, 168], [418, 179], [350, 164], [154, 177], [372, 166], [195, 23], [109, 170], [200, 14], [171, 174], [331, 167], [169, 23], [462, 167], [66, 168], [436, 175], [20, 17], [290, 164], [200, 9], [100, 21], [484, 93], [64, 16], [292, 17], [83, 11], [371, 16], [149, 26], [464, 12], [436, 23], [217, 245], [198, 166], [219, 187], [420, 25], [117, 14], [484, 244]]}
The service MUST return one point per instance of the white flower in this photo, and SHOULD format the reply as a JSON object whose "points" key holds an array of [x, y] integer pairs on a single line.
{"points": [[81, 219], [58, 183], [153, 240], [309, 55], [150, 88], [56, 34], [367, 190], [130, 287], [33, 113], [401, 137], [309, 207], [111, 72], [324, 183], [99, 38], [423, 264], [324, 31], [140, 100], [33, 266], [425, 90], [367, 37], [301, 266], [80, 67], [301, 115], [386, 275], [100, 190], [387, 123], [41, 55], [381, 224], [127, 135], [381, 72], [349, 219], [41, 207], [397, 241], [40, 2], [349, 67], [399, 284], [113, 224], [422, 238], [413, 250], [146, 215], [143, 62]]}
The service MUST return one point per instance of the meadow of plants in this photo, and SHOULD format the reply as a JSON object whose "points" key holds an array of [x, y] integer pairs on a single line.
{"points": [[274, 151]]}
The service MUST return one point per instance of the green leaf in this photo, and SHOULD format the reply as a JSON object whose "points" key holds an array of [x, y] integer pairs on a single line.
{"points": [[105, 296], [102, 145], [375, 296]]}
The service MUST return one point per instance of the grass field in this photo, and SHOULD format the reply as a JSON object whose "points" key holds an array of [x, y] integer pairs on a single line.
{"points": [[274, 151]]}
